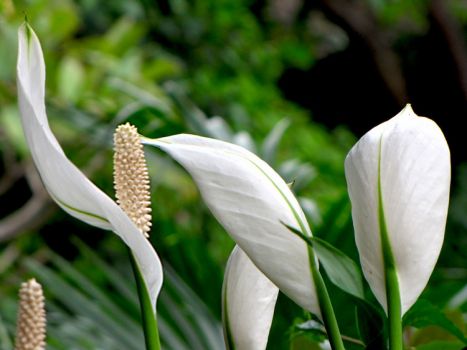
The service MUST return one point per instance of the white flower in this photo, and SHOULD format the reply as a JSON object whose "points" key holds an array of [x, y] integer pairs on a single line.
{"points": [[248, 301], [66, 184], [398, 177], [253, 204]]}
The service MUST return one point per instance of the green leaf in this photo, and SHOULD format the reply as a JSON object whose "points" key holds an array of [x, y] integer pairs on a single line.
{"points": [[424, 314], [184, 320], [185, 304], [445, 345], [341, 270], [115, 277], [96, 294]]}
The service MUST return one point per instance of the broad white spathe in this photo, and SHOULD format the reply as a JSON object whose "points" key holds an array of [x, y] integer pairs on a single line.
{"points": [[248, 302], [253, 203], [406, 160], [66, 184]]}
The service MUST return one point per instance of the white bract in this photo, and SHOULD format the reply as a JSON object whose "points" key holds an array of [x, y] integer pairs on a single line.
{"points": [[253, 203], [67, 185], [403, 163], [248, 301]]}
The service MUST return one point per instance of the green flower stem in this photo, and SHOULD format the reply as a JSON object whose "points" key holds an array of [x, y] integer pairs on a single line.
{"points": [[151, 331], [327, 312], [394, 310], [392, 291]]}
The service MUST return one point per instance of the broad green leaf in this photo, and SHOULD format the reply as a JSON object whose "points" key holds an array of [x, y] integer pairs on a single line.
{"points": [[424, 314], [441, 344], [341, 270]]}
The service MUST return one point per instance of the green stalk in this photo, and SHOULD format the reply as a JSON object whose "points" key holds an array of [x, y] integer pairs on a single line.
{"points": [[392, 290], [325, 305], [327, 311], [151, 331], [394, 310], [393, 296]]}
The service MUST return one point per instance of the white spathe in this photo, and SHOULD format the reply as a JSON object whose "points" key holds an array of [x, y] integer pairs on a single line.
{"points": [[67, 185], [411, 157], [253, 203], [248, 302]]}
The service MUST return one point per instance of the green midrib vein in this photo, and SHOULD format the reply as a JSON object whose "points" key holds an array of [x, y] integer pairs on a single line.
{"points": [[79, 211], [393, 298], [302, 225], [388, 256]]}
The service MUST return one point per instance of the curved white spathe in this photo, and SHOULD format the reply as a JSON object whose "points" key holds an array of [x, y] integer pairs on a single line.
{"points": [[248, 302], [253, 203], [413, 159], [67, 185]]}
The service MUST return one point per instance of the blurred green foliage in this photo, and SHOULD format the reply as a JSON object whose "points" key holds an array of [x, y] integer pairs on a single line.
{"points": [[210, 68]]}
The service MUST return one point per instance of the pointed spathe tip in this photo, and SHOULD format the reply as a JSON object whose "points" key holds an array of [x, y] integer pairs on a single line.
{"points": [[407, 111], [28, 37], [25, 29], [25, 37]]}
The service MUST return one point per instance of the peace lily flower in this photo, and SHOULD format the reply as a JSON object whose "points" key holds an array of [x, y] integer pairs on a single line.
{"points": [[66, 184], [398, 176], [259, 211], [248, 301], [254, 204]]}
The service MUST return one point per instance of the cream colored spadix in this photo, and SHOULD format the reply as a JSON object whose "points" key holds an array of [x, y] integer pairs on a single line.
{"points": [[131, 178], [67, 184], [253, 203], [31, 322], [406, 161], [248, 302]]}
